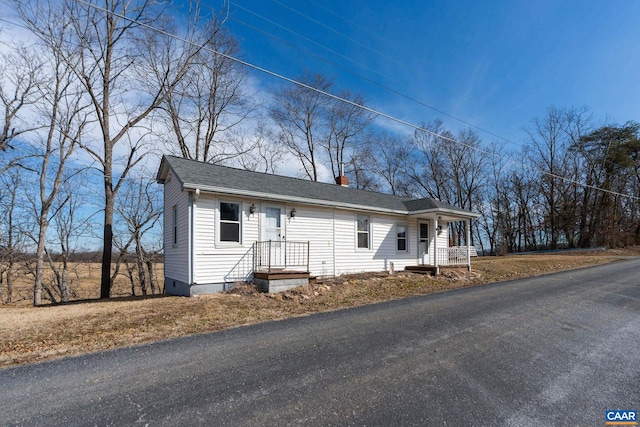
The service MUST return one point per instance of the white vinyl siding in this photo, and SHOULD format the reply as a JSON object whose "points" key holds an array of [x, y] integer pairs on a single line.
{"points": [[331, 233], [443, 237], [220, 262], [383, 243], [314, 225], [176, 252], [205, 225]]}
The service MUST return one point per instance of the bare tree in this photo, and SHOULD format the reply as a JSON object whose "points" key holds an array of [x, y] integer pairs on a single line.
{"points": [[299, 113], [140, 210], [62, 106], [113, 52], [12, 228], [360, 168], [21, 77], [429, 171], [346, 124], [68, 228], [206, 103], [392, 157], [550, 145], [464, 160], [318, 129], [258, 148]]}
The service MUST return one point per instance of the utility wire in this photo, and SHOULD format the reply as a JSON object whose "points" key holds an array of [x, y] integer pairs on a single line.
{"points": [[333, 30], [354, 24], [352, 103], [375, 83], [282, 27]]}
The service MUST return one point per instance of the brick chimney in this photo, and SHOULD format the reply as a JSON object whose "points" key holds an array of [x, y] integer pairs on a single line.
{"points": [[342, 180]]}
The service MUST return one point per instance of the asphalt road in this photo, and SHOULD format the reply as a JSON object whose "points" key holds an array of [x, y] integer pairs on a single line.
{"points": [[554, 350]]}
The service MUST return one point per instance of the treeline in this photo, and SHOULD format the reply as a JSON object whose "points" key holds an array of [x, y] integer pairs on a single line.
{"points": [[569, 183], [95, 96], [572, 183]]}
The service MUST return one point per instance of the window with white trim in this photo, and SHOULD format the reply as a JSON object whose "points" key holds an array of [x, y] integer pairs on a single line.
{"points": [[401, 237], [175, 225], [229, 222], [363, 234]]}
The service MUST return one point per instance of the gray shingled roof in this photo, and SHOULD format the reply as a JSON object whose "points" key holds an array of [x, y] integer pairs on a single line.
{"points": [[223, 179]]}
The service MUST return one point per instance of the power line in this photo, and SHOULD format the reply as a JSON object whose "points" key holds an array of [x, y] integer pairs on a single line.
{"points": [[306, 38], [352, 23], [333, 30], [380, 85], [352, 103]]}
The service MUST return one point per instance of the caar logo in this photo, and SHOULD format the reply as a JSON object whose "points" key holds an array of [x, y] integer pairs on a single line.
{"points": [[621, 417]]}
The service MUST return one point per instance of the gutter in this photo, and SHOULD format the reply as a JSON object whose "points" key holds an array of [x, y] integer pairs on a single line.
{"points": [[292, 199], [316, 202], [464, 214]]}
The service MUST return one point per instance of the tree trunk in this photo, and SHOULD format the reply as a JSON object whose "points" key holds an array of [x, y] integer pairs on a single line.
{"points": [[9, 285], [152, 280], [131, 279], [105, 281], [107, 236], [140, 255], [37, 287], [64, 280]]}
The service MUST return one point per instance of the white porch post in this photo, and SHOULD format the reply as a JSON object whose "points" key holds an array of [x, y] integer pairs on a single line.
{"points": [[435, 242], [468, 228]]}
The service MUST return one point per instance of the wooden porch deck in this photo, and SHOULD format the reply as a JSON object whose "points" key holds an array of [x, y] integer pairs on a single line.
{"points": [[275, 274]]}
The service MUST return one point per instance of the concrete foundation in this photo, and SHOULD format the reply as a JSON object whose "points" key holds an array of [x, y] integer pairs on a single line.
{"points": [[280, 281]]}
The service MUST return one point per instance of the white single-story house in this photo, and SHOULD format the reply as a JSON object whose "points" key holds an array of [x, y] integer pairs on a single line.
{"points": [[224, 225]]}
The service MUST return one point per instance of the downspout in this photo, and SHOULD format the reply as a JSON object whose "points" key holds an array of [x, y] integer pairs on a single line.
{"points": [[190, 240], [193, 196]]}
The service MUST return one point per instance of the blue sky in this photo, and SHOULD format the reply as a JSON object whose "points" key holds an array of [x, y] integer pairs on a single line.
{"points": [[495, 64]]}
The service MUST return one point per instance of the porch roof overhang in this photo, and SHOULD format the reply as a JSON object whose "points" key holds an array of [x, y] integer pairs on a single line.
{"points": [[448, 215]]}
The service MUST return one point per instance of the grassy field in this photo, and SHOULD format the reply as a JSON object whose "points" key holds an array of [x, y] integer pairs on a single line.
{"points": [[31, 334], [84, 283]]}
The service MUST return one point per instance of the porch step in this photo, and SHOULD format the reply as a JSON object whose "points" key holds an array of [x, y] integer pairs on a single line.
{"points": [[278, 281], [422, 269], [281, 274]]}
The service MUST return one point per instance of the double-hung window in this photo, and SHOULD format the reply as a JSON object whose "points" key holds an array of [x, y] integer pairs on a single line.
{"points": [[363, 232], [401, 237], [229, 222]]}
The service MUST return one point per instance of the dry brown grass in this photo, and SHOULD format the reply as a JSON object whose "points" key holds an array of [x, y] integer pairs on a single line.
{"points": [[84, 283], [29, 334]]}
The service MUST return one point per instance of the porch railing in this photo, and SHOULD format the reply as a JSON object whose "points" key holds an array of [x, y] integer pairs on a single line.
{"points": [[280, 255], [456, 255]]}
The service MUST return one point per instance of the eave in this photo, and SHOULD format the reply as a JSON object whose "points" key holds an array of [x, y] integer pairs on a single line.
{"points": [[322, 203]]}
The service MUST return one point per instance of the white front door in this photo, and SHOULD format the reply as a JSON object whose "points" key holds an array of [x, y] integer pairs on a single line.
{"points": [[273, 233], [423, 242]]}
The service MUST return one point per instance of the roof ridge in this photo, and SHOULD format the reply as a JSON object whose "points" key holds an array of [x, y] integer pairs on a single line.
{"points": [[195, 174], [306, 181]]}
